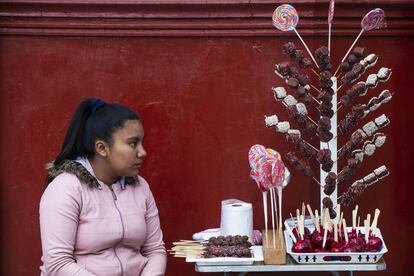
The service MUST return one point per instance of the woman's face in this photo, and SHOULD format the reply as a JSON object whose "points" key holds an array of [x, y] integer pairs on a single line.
{"points": [[126, 154]]}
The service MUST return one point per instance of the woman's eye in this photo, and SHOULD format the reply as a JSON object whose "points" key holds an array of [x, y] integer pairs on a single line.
{"points": [[133, 144]]}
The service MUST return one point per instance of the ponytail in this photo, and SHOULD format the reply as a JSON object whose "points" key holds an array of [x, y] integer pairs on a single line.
{"points": [[73, 143], [92, 120]]}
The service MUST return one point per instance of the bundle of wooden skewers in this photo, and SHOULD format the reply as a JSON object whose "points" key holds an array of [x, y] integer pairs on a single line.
{"points": [[188, 248]]}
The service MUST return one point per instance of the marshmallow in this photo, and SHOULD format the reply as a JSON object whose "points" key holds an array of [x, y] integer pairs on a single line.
{"points": [[372, 80], [280, 93], [271, 120], [384, 74], [290, 100], [369, 149], [382, 121], [301, 108], [283, 127], [370, 128], [380, 140]]}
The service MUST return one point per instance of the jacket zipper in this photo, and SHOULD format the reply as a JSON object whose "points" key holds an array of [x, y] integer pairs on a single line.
{"points": [[122, 224]]}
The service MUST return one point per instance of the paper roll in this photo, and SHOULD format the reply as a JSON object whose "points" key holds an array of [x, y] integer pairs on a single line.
{"points": [[236, 218]]}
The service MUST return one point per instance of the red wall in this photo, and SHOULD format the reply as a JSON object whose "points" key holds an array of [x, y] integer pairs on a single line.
{"points": [[200, 78]]}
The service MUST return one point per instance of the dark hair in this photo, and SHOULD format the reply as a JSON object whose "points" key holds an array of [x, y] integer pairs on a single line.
{"points": [[92, 120]]}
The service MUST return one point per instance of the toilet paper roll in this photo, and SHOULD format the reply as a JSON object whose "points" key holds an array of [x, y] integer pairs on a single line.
{"points": [[236, 218]]}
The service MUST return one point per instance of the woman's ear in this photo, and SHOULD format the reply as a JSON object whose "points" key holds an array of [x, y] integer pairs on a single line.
{"points": [[101, 148]]}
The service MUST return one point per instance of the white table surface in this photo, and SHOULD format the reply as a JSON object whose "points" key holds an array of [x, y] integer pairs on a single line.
{"points": [[293, 266]]}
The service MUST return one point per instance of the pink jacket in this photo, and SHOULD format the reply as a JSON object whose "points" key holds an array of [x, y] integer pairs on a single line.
{"points": [[100, 231]]}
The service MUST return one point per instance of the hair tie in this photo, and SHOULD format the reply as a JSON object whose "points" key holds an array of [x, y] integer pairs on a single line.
{"points": [[96, 104]]}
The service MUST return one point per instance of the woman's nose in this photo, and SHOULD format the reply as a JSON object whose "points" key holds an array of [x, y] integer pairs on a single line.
{"points": [[141, 152]]}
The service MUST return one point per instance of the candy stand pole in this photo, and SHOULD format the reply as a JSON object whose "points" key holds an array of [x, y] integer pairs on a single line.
{"points": [[333, 146]]}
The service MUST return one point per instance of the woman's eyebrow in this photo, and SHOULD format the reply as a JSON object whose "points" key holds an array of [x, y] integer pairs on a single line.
{"points": [[134, 138]]}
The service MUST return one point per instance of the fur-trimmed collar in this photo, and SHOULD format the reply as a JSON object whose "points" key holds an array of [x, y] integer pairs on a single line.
{"points": [[75, 168]]}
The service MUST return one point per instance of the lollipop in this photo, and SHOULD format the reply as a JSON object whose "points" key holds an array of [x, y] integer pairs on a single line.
{"points": [[268, 171], [375, 19], [255, 153], [330, 19], [285, 18]]}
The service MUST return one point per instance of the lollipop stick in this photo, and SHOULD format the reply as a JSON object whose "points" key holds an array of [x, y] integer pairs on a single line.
{"points": [[276, 211], [352, 46], [306, 47], [273, 217], [279, 195], [265, 212], [329, 39]]}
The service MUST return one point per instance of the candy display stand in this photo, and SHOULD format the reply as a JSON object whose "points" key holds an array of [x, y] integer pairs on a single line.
{"points": [[274, 248], [268, 169]]}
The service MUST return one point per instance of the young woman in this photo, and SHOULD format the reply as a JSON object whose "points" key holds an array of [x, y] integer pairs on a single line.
{"points": [[97, 216]]}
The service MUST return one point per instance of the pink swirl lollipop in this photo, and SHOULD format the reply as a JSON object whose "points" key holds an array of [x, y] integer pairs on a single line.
{"points": [[278, 176], [285, 17], [375, 19], [274, 154], [278, 168], [255, 153], [331, 11]]}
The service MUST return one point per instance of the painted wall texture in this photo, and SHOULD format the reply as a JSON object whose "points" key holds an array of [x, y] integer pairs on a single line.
{"points": [[200, 76]]}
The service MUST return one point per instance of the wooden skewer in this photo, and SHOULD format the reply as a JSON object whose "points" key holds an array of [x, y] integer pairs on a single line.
{"points": [[338, 212], [293, 220], [318, 228], [354, 216], [314, 87], [345, 231], [303, 209], [317, 181], [309, 144], [312, 217], [366, 226], [340, 223], [316, 73], [375, 221], [325, 233], [290, 230]]}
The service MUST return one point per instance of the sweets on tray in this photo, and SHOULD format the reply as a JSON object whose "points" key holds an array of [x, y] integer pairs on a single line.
{"points": [[228, 246], [335, 237]]}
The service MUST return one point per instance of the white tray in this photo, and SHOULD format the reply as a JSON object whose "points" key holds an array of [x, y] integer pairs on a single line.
{"points": [[257, 256], [336, 258]]}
